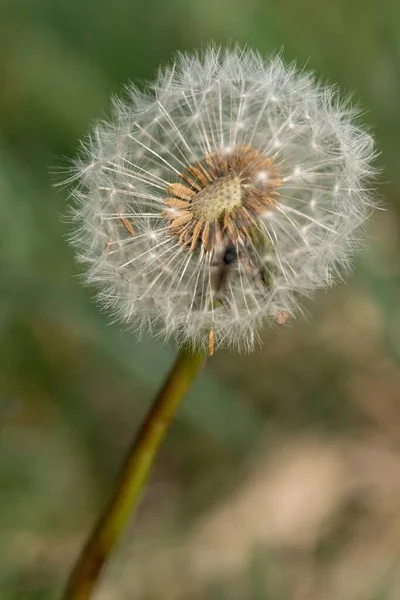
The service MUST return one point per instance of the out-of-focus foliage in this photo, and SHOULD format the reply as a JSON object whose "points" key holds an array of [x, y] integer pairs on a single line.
{"points": [[281, 477]]}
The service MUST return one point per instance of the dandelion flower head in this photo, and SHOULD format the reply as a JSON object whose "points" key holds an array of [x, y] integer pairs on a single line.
{"points": [[218, 196]]}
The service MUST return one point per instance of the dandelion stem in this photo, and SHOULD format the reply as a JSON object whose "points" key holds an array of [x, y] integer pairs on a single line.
{"points": [[133, 476]]}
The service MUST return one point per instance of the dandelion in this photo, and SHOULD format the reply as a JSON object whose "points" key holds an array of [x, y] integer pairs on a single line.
{"points": [[230, 155], [211, 203]]}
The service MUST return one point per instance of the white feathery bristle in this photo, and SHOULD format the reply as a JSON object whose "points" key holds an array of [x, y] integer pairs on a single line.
{"points": [[216, 198]]}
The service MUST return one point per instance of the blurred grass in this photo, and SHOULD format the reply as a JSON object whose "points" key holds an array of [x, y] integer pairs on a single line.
{"points": [[73, 388]]}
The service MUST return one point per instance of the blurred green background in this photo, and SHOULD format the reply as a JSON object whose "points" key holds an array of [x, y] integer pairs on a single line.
{"points": [[281, 477]]}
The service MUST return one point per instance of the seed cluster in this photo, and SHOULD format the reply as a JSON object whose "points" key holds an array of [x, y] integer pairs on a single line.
{"points": [[221, 198]]}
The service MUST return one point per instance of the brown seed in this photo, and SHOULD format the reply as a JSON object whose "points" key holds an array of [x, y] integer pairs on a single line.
{"points": [[282, 317], [232, 230], [181, 191], [196, 233], [211, 339], [222, 163], [217, 233], [190, 182], [185, 235], [127, 225], [264, 197], [205, 238], [254, 205], [204, 170], [198, 175], [211, 164], [258, 201], [184, 218], [250, 217], [175, 203], [225, 220], [239, 226]]}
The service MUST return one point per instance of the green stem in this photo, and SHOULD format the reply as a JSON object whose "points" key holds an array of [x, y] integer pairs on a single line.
{"points": [[133, 476]]}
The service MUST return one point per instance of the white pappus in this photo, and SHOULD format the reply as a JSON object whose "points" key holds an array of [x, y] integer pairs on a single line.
{"points": [[218, 196]]}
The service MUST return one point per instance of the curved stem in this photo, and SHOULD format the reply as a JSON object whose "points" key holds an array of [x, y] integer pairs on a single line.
{"points": [[133, 476]]}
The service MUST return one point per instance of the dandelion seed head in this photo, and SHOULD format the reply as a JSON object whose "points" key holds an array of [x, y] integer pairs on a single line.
{"points": [[218, 196]]}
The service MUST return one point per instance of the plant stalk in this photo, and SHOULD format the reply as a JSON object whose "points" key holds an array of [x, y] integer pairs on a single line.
{"points": [[133, 476]]}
